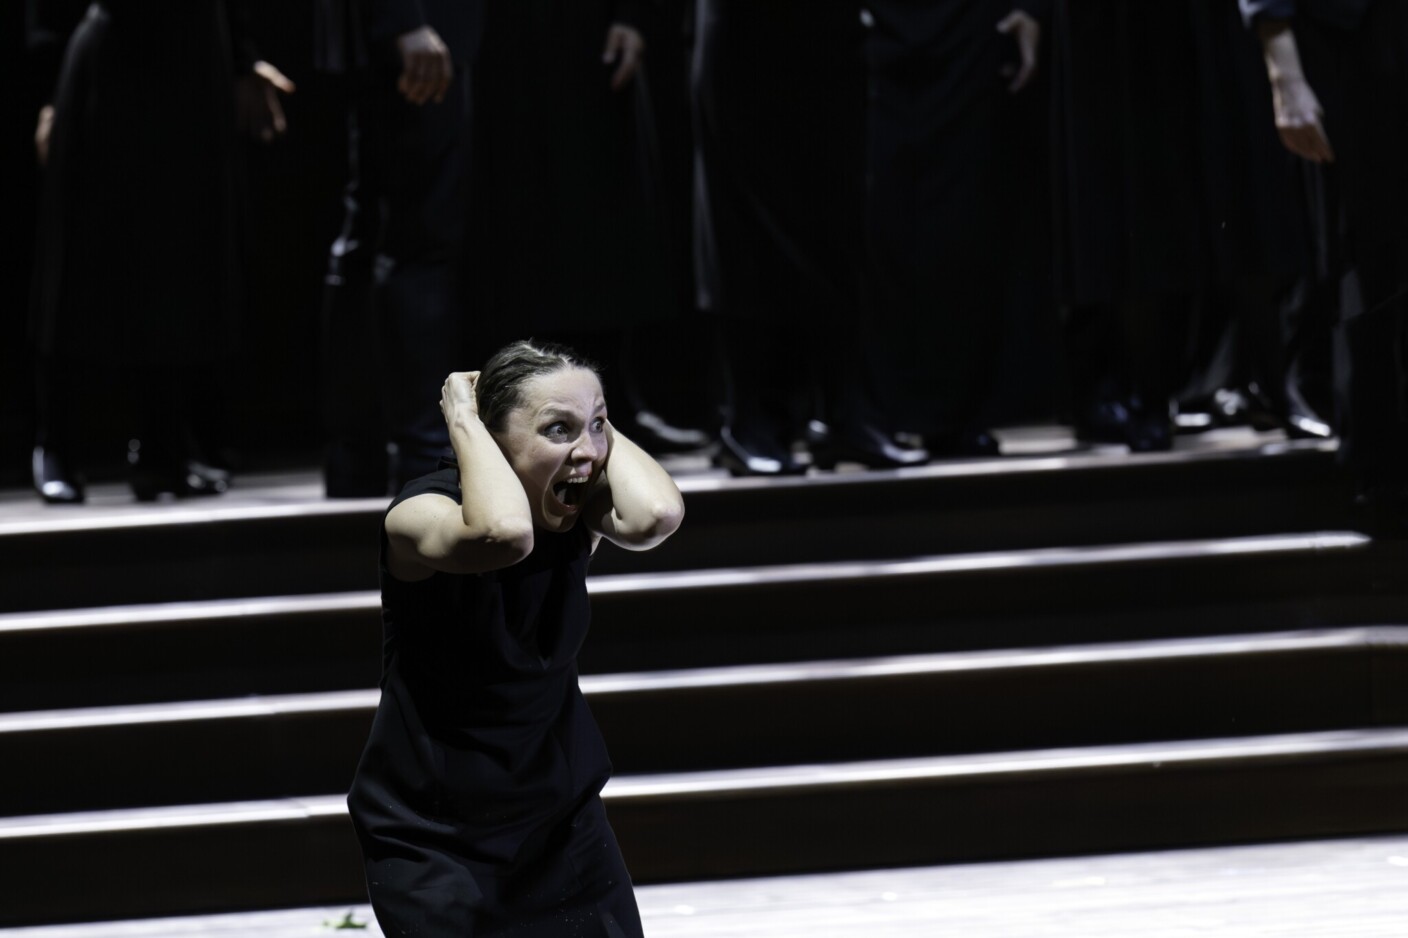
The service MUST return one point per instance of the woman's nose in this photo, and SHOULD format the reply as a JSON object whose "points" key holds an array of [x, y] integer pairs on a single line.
{"points": [[586, 449]]}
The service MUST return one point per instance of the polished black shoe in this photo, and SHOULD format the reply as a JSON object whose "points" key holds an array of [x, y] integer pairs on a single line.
{"points": [[1303, 423], [741, 460], [183, 478], [864, 444], [963, 444], [52, 479], [1104, 422], [655, 435], [1229, 407], [1149, 434]]}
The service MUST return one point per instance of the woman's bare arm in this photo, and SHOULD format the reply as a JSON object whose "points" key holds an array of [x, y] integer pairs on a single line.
{"points": [[490, 529], [636, 504]]}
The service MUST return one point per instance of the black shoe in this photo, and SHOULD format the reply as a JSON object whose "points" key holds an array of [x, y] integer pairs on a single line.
{"points": [[152, 477], [1104, 422], [52, 480], [963, 444], [653, 434], [866, 445], [1302, 423], [1148, 434], [1230, 407], [1127, 422], [754, 460]]}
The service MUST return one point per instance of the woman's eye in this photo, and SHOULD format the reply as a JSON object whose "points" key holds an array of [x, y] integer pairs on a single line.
{"points": [[598, 425], [556, 430]]}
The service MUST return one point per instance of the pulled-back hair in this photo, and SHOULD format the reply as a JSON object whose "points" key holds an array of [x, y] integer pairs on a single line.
{"points": [[500, 385]]}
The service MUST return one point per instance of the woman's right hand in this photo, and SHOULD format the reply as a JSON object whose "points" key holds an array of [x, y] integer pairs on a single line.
{"points": [[458, 402]]}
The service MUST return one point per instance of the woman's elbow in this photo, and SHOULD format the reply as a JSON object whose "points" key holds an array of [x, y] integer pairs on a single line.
{"points": [[511, 538], [668, 516], [498, 545], [664, 519]]}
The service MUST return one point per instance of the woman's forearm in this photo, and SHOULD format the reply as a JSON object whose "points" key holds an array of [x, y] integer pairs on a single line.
{"points": [[644, 505], [493, 501]]}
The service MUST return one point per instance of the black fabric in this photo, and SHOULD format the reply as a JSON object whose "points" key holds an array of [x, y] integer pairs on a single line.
{"points": [[779, 95], [476, 799], [1125, 157], [1361, 80], [779, 186], [939, 207], [1125, 161], [48, 26], [565, 232], [459, 23], [137, 255], [1259, 306], [393, 307], [1342, 14]]}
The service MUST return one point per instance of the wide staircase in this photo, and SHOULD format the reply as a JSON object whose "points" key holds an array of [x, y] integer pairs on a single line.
{"points": [[1036, 657]]}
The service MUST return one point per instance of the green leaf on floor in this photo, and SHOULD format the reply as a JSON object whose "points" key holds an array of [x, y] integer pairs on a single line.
{"points": [[348, 921]]}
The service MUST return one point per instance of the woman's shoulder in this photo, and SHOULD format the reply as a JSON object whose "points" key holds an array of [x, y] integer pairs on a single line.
{"points": [[444, 482]]}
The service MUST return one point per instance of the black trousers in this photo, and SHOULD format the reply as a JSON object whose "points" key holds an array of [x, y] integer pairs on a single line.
{"points": [[778, 95], [938, 203], [392, 314], [1361, 79]]}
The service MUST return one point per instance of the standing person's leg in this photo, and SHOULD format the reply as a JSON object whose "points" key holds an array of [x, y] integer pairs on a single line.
{"points": [[417, 276], [777, 93], [764, 367], [1359, 77], [355, 461], [162, 457], [935, 210], [52, 468]]}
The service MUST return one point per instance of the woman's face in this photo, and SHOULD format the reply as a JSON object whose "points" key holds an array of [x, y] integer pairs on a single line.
{"points": [[556, 443]]}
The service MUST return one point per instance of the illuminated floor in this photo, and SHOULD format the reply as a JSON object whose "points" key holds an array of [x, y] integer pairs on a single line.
{"points": [[1329, 889]]}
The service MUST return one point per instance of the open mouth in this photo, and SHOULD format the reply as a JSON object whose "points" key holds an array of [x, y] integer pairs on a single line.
{"points": [[571, 491]]}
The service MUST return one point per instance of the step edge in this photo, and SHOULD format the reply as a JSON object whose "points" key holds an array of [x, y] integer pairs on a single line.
{"points": [[727, 577], [723, 783], [833, 671], [1017, 465]]}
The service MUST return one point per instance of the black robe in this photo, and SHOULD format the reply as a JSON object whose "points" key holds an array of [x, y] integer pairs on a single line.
{"points": [[779, 91], [137, 253], [566, 231]]}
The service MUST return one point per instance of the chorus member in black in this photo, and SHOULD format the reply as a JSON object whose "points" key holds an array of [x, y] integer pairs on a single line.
{"points": [[477, 798], [1351, 56], [138, 274]]}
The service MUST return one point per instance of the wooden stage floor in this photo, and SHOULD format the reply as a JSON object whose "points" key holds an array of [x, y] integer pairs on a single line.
{"points": [[1356, 888]]}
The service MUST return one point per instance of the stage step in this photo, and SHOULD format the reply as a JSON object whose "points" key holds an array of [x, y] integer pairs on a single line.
{"points": [[300, 852], [750, 716], [967, 661], [645, 622], [303, 546]]}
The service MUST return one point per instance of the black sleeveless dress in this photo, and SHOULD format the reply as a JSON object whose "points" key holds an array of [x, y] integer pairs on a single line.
{"points": [[477, 797]]}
